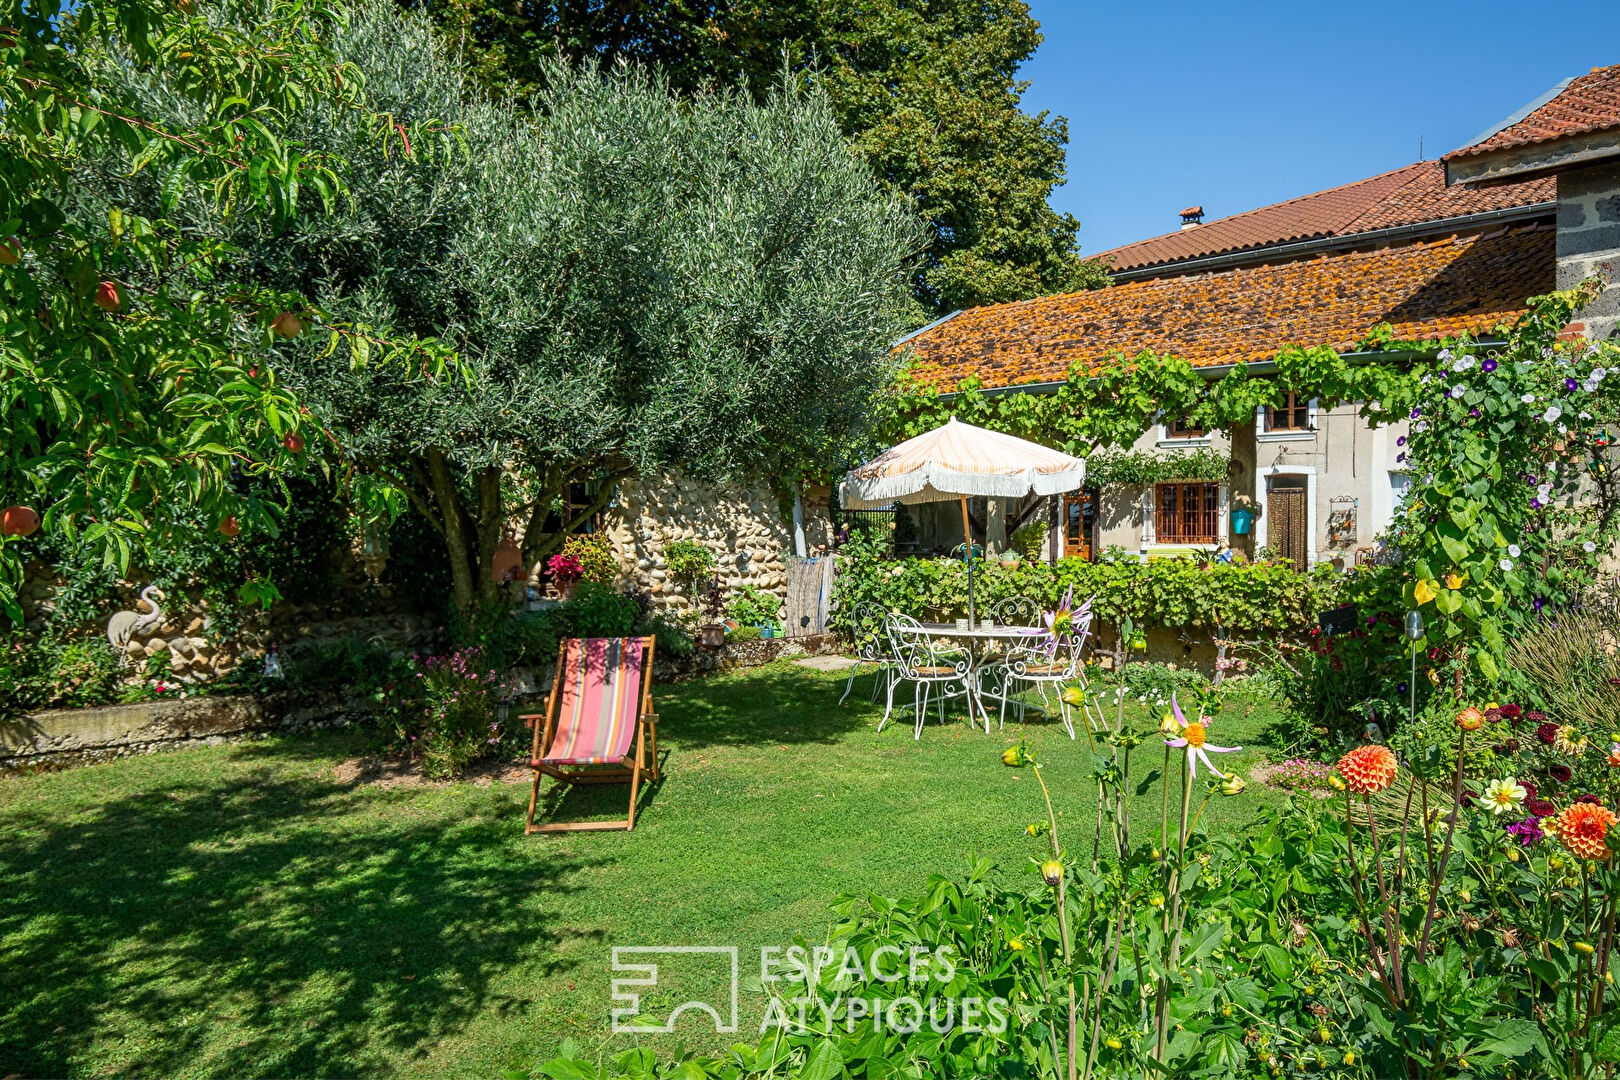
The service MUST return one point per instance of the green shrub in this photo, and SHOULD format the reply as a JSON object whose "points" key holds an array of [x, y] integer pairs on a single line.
{"points": [[1027, 540], [458, 723], [689, 562], [753, 606], [595, 557], [1162, 592]]}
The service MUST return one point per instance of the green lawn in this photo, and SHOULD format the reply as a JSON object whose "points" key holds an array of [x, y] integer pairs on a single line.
{"points": [[239, 911]]}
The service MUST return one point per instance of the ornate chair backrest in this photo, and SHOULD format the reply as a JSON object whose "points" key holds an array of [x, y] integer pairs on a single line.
{"points": [[1048, 658], [915, 652], [867, 625], [1016, 611]]}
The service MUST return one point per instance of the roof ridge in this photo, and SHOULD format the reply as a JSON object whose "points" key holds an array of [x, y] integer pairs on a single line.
{"points": [[1270, 206]]}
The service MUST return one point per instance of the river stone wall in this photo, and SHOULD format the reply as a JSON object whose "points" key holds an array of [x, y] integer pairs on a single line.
{"points": [[747, 528]]}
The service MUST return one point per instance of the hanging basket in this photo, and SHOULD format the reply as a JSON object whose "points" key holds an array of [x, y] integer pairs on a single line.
{"points": [[1242, 521]]}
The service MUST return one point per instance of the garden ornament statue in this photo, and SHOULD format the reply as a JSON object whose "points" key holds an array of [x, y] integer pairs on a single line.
{"points": [[126, 625]]}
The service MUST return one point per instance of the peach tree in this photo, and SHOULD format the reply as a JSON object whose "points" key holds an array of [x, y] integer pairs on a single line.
{"points": [[136, 356]]}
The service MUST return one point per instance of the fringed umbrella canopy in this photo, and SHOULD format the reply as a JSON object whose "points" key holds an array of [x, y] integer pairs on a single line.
{"points": [[957, 462], [960, 461]]}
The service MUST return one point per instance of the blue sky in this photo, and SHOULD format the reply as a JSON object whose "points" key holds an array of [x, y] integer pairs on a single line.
{"points": [[1236, 106]]}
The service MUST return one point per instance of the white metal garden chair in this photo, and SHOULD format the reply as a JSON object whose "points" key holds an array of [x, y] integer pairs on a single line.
{"points": [[867, 626], [929, 665], [1047, 661]]}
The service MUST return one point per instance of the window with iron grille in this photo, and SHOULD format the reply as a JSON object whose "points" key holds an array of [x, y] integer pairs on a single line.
{"points": [[1186, 513], [1294, 414]]}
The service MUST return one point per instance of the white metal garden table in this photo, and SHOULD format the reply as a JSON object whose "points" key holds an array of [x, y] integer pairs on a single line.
{"points": [[977, 641]]}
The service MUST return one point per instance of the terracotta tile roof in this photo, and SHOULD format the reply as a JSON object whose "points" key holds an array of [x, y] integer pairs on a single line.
{"points": [[1406, 196], [1589, 102], [1433, 289]]}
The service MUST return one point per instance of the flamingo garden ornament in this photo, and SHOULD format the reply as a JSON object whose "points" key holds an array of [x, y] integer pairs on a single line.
{"points": [[1192, 737], [124, 626]]}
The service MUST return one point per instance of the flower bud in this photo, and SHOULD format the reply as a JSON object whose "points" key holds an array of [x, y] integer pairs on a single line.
{"points": [[1112, 1042], [1234, 785], [1584, 948], [1156, 900], [1052, 872]]}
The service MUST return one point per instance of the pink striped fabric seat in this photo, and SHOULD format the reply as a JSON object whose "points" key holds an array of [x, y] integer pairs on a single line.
{"points": [[601, 692]]}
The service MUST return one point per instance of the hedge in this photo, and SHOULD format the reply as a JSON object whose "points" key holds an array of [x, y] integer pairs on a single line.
{"points": [[1170, 593]]}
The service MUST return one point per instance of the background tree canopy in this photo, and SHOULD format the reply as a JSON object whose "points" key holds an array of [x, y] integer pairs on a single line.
{"points": [[633, 281], [924, 89]]}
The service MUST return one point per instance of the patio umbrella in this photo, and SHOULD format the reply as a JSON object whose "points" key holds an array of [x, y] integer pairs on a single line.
{"points": [[959, 461]]}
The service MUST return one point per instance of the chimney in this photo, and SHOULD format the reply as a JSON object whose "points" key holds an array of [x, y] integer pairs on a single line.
{"points": [[1192, 217]]}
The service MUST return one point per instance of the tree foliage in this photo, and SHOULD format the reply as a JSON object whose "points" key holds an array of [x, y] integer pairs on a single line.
{"points": [[633, 282], [133, 360], [926, 91]]}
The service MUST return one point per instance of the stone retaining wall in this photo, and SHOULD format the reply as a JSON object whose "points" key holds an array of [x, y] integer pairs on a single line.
{"points": [[58, 738], [745, 527]]}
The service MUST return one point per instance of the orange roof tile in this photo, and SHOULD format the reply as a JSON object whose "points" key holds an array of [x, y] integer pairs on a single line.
{"points": [[1429, 290], [1589, 102], [1406, 196]]}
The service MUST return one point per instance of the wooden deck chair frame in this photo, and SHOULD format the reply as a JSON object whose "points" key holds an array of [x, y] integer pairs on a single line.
{"points": [[642, 763]]}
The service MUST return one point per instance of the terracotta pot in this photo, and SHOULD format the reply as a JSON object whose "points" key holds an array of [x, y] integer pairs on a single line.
{"points": [[714, 635]]}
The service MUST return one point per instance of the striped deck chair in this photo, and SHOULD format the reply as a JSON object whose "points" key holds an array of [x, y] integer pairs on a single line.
{"points": [[601, 700]]}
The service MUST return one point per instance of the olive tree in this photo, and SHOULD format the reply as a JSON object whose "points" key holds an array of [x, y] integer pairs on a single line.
{"points": [[634, 282]]}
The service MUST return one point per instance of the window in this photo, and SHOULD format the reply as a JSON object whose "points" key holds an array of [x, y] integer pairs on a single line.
{"points": [[1186, 513], [1294, 414], [1184, 429]]}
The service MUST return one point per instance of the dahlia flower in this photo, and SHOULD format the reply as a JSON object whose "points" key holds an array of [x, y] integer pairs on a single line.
{"points": [[1569, 740], [1368, 769], [1583, 828], [1193, 738], [1504, 795], [1470, 719]]}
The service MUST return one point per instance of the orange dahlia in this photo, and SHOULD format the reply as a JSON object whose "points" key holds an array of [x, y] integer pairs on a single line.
{"points": [[1470, 719], [1583, 827], [1368, 769]]}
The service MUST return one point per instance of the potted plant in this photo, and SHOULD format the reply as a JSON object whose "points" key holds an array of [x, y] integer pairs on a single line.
{"points": [[714, 606], [566, 572], [1244, 510]]}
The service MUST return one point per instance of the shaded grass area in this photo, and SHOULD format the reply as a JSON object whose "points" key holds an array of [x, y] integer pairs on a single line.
{"points": [[238, 910]]}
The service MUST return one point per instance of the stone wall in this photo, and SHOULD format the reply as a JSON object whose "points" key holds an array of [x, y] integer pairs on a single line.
{"points": [[746, 527], [1589, 241]]}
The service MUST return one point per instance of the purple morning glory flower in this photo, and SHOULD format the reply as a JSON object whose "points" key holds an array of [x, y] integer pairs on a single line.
{"points": [[1400, 457], [1416, 413], [1473, 412], [1401, 689], [1535, 504], [1570, 385], [1401, 441], [1539, 603], [1487, 365]]}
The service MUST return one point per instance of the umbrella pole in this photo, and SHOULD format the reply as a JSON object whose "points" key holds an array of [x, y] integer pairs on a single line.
{"points": [[967, 536]]}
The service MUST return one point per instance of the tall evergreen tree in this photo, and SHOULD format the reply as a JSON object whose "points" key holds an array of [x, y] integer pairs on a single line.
{"points": [[926, 90]]}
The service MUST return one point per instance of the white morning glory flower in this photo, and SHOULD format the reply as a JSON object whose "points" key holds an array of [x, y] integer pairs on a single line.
{"points": [[1443, 354], [1513, 550], [1528, 399], [1506, 564], [1543, 490], [1463, 364], [1589, 547], [1458, 391], [1597, 374], [1553, 413]]}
